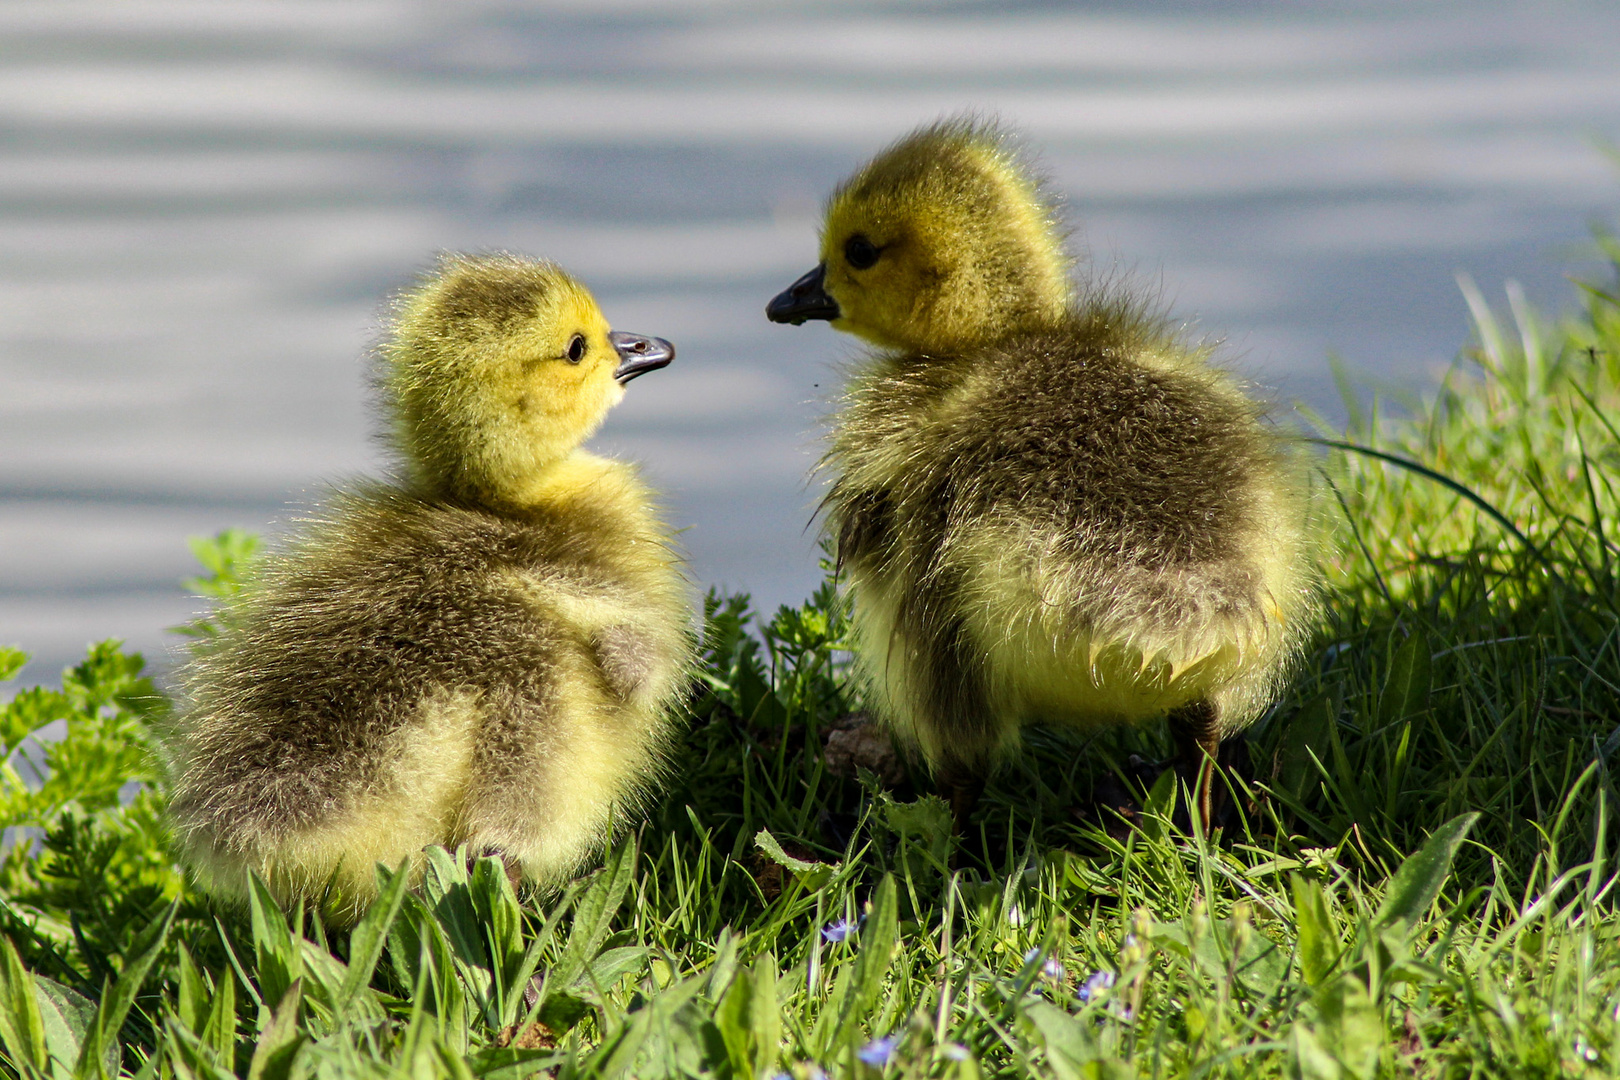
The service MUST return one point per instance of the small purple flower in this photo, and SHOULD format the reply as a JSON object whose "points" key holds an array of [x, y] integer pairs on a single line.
{"points": [[878, 1052], [837, 930], [955, 1051], [1051, 968], [1095, 983], [817, 1073]]}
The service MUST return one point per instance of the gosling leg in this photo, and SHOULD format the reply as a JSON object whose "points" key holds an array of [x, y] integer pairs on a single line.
{"points": [[1195, 728], [960, 787]]}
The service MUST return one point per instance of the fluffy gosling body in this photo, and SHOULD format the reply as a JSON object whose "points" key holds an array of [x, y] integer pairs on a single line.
{"points": [[487, 653], [1048, 507]]}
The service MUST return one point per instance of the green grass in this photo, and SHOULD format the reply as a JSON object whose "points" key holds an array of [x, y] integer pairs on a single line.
{"points": [[1426, 886]]}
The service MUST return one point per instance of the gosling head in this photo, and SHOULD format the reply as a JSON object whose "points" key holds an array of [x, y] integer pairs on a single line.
{"points": [[943, 240], [496, 367]]}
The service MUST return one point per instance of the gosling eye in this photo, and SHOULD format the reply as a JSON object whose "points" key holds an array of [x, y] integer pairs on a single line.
{"points": [[860, 252], [576, 348]]}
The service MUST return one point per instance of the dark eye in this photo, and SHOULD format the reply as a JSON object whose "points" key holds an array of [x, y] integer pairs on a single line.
{"points": [[576, 348], [859, 252]]}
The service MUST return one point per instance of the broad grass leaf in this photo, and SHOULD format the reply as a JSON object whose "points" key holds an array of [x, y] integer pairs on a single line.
{"points": [[562, 1009], [753, 689], [1170, 937], [1347, 777], [765, 1015], [1319, 944], [611, 965], [1070, 1044], [1416, 885], [749, 1021], [645, 1030], [22, 1028], [828, 1035], [220, 1030], [1406, 688], [688, 1045], [594, 912], [496, 904], [522, 976], [324, 975], [280, 959], [406, 943], [369, 936], [1261, 966], [451, 1064], [190, 1056], [422, 956], [1308, 1058], [724, 966], [446, 886], [280, 1040], [1159, 806], [1350, 1026], [564, 1006], [191, 997], [505, 1063], [1308, 734], [879, 937], [69, 1019]]}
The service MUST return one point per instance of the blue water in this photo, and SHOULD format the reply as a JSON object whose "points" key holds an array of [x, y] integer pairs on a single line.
{"points": [[204, 204]]}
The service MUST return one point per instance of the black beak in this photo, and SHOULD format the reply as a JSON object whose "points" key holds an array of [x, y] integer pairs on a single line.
{"points": [[639, 355], [804, 299]]}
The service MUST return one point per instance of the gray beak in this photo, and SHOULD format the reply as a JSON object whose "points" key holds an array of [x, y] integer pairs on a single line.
{"points": [[804, 299], [639, 355]]}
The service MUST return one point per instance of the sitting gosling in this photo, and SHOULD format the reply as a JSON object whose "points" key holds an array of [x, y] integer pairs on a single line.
{"points": [[488, 653], [1048, 508]]}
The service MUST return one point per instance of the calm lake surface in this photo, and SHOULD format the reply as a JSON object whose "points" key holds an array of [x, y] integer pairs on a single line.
{"points": [[204, 205]]}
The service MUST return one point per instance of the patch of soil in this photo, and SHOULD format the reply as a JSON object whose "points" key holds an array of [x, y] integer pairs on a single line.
{"points": [[855, 742], [534, 1037], [770, 875]]}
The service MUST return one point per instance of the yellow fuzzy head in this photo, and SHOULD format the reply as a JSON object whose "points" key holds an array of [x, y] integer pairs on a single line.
{"points": [[496, 367], [943, 240]]}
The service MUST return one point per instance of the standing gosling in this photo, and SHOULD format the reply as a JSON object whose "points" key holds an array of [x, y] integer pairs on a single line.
{"points": [[1049, 508], [488, 653]]}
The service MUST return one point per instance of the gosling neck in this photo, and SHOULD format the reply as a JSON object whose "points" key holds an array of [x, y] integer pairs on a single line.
{"points": [[512, 492], [575, 475], [552, 485]]}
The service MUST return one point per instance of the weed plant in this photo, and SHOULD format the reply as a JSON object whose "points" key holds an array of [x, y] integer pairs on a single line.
{"points": [[1423, 883]]}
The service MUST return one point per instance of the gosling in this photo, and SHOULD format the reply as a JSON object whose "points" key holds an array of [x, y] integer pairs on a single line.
{"points": [[487, 652], [1047, 506]]}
